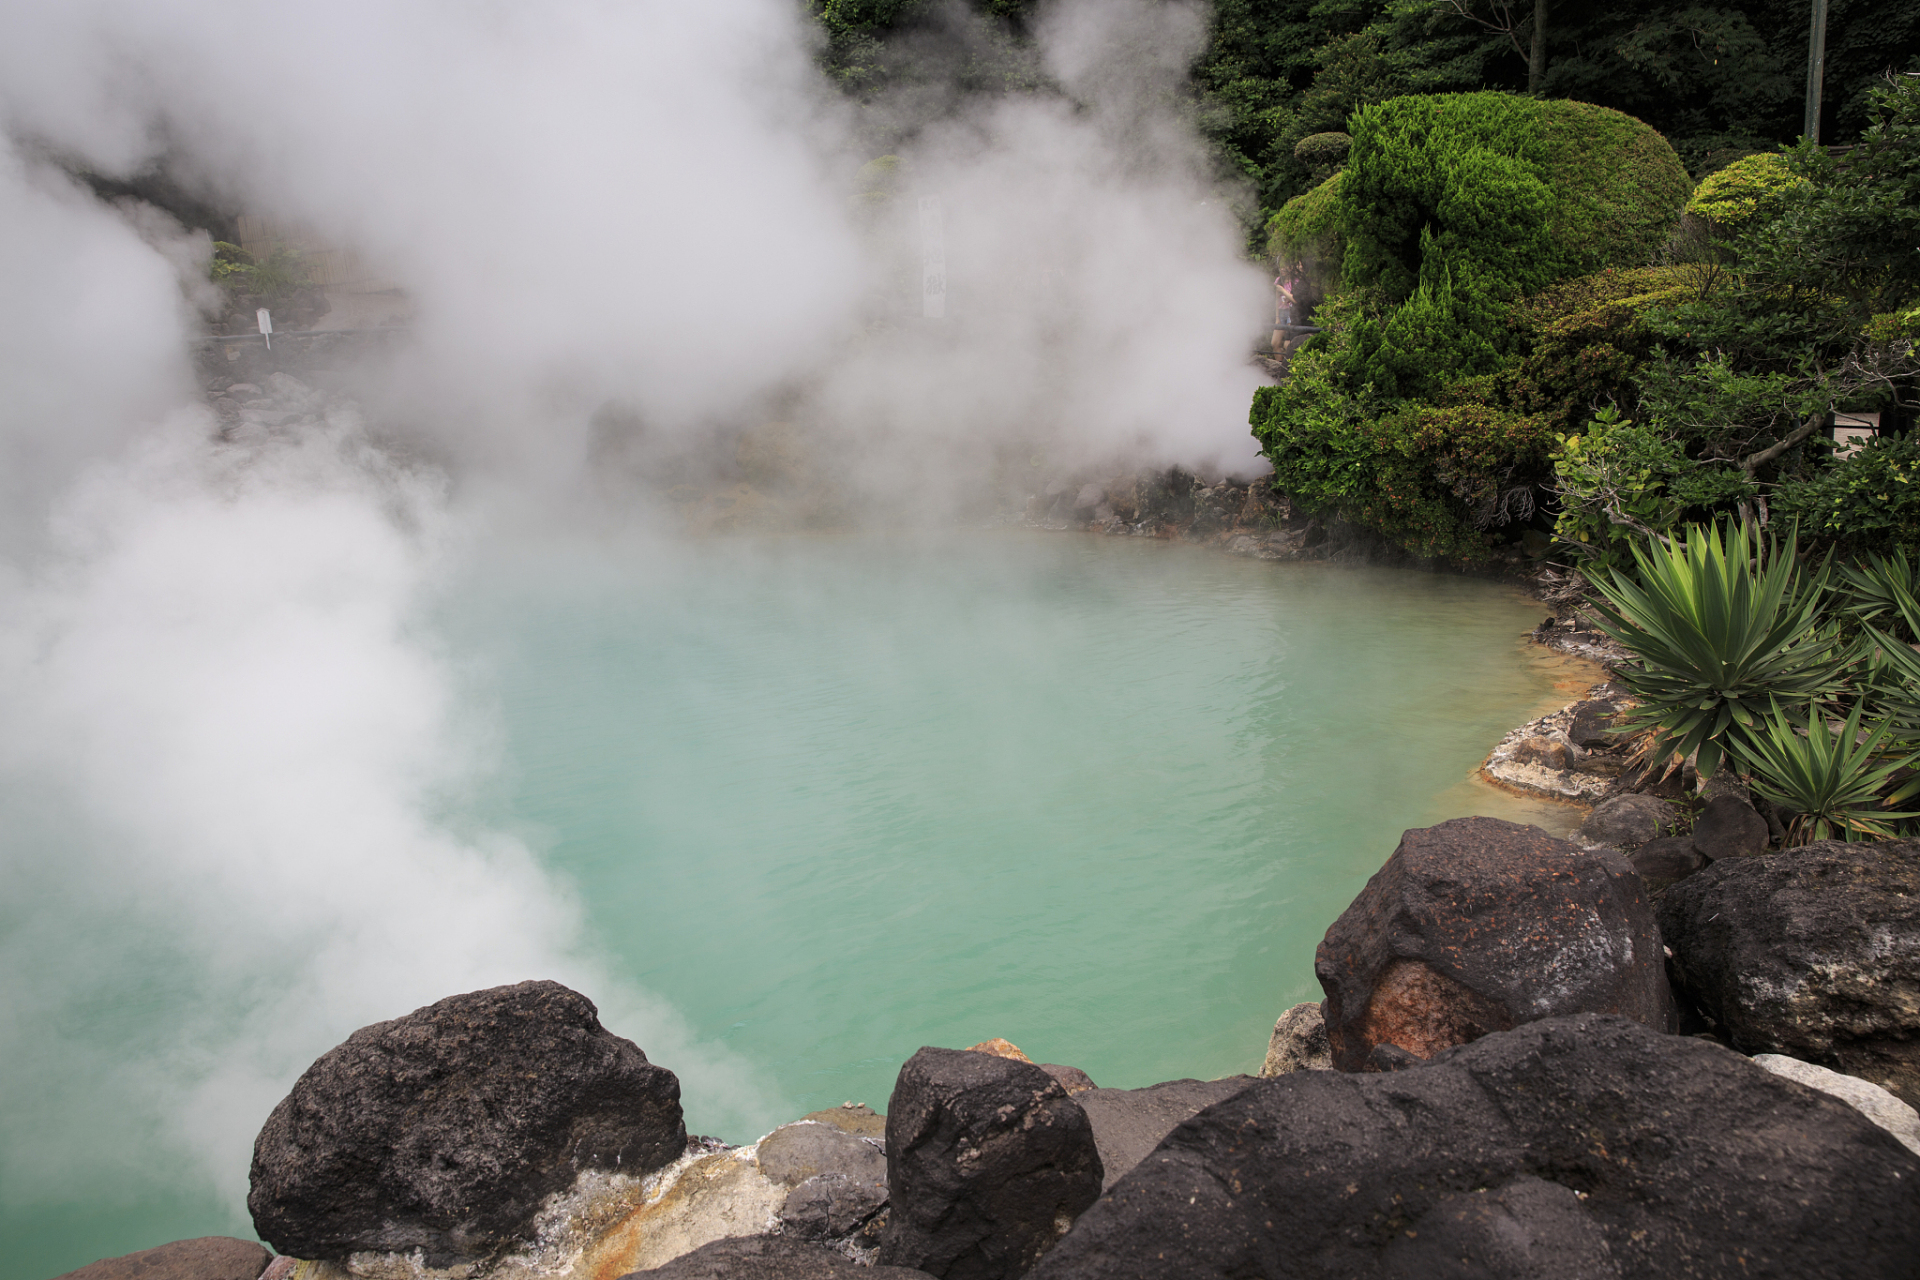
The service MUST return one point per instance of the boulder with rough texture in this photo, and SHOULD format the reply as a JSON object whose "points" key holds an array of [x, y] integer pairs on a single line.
{"points": [[856, 1118], [207, 1258], [1572, 1148], [1729, 827], [1591, 724], [1129, 1123], [1864, 1096], [831, 1204], [1478, 925], [988, 1163], [442, 1131], [1629, 820], [768, 1258], [1299, 1042], [1072, 1079], [795, 1152], [1812, 952], [1666, 860]]}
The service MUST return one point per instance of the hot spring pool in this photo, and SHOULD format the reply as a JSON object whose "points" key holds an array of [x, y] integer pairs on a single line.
{"points": [[835, 798], [839, 798]]}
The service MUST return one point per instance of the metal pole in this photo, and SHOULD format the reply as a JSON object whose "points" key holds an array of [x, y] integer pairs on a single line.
{"points": [[1816, 71]]}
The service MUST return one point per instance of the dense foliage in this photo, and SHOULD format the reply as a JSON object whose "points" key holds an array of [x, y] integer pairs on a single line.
{"points": [[1717, 79], [1430, 409]]}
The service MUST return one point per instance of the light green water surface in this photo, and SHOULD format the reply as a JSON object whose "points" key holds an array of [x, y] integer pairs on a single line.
{"points": [[840, 798], [837, 798]]}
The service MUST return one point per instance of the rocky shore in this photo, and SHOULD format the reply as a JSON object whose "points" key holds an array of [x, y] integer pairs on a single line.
{"points": [[1532, 1060]]}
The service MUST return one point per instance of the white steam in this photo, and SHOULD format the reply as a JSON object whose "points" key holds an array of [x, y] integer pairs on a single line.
{"points": [[223, 722]]}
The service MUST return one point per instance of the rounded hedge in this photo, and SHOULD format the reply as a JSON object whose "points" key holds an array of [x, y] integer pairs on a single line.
{"points": [[1323, 148], [1453, 207], [1734, 194]]}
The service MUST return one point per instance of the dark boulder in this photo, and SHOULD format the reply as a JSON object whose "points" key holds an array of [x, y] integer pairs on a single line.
{"points": [[795, 1152], [208, 1258], [1479, 925], [1072, 1079], [442, 1131], [1129, 1123], [1573, 1147], [768, 1258], [1811, 952], [1592, 724], [831, 1204], [1729, 828], [988, 1163], [1666, 860], [1625, 821]]}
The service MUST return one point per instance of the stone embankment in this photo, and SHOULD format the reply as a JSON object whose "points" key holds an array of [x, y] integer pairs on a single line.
{"points": [[1529, 1062]]}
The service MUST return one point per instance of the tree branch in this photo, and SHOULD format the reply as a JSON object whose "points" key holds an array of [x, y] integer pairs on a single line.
{"points": [[1754, 461]]}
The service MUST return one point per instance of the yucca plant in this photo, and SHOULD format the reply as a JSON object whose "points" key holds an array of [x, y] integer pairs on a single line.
{"points": [[1833, 781], [1720, 636]]}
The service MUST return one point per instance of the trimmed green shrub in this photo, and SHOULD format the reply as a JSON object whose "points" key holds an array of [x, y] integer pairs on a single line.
{"points": [[1454, 207], [1736, 193], [1308, 225]]}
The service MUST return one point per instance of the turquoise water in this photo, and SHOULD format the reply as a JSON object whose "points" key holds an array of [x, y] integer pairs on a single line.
{"points": [[836, 798]]}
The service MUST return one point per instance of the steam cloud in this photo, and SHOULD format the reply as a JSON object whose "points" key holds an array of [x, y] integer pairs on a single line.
{"points": [[227, 740]]}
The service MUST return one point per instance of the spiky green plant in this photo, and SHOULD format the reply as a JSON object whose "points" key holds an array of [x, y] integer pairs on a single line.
{"points": [[1720, 634], [1832, 780], [1884, 588]]}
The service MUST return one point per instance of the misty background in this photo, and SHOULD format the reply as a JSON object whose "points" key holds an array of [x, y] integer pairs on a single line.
{"points": [[233, 748]]}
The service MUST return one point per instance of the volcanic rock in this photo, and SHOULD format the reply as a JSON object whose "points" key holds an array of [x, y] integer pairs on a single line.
{"points": [[1478, 925], [1549, 753], [1299, 1042], [208, 1258], [831, 1204], [769, 1258], [1812, 952], [1575, 1147], [1072, 1079], [1864, 1096], [795, 1152], [1667, 859], [442, 1131], [1629, 820], [1592, 724], [856, 1118], [1129, 1123], [988, 1163], [1729, 828]]}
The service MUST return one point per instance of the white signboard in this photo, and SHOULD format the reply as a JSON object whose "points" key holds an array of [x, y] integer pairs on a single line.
{"points": [[265, 320], [933, 259], [1851, 430]]}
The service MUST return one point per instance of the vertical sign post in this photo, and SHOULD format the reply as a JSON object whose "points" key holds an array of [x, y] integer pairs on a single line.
{"points": [[265, 319], [933, 259]]}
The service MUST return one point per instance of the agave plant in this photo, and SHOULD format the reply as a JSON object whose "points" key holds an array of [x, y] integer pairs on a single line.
{"points": [[1833, 780], [1884, 588], [1721, 637]]}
